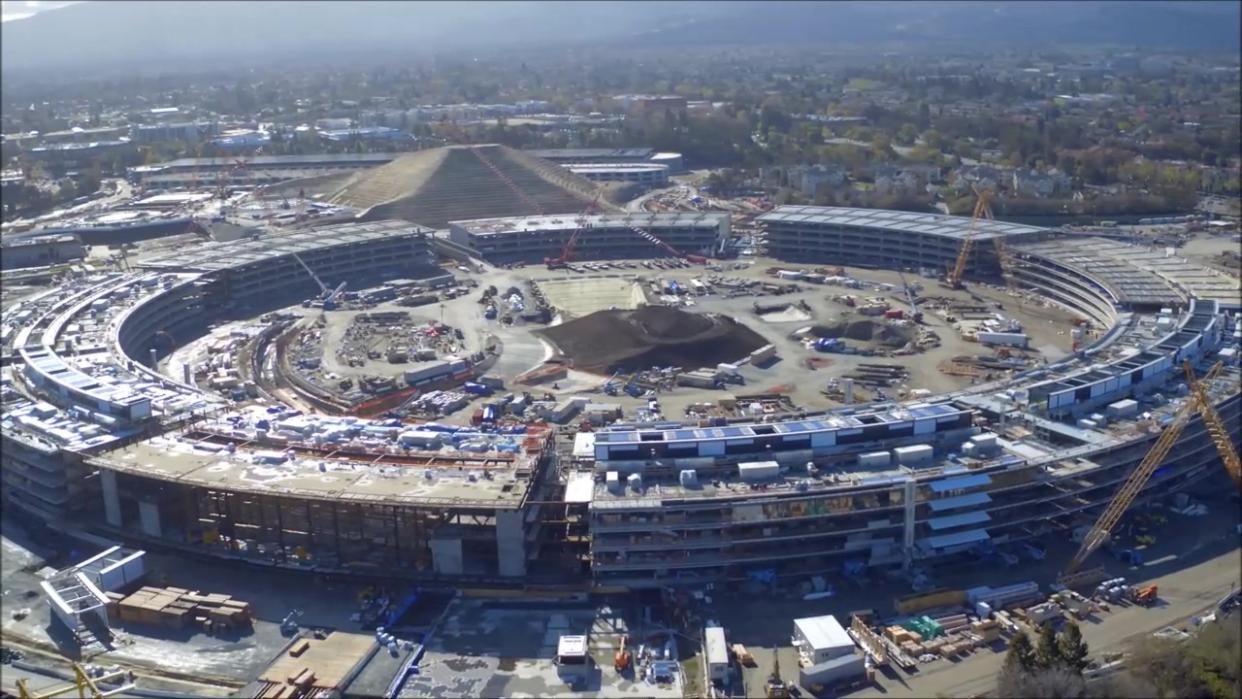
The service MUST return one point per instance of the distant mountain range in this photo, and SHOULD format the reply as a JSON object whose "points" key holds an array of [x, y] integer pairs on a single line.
{"points": [[113, 35]]}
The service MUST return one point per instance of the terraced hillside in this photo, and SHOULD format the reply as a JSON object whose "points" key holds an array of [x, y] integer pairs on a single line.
{"points": [[436, 186]]}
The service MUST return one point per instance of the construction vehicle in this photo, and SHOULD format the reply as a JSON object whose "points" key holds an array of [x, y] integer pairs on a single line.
{"points": [[982, 210], [562, 260], [775, 687], [1198, 401], [915, 314], [621, 661], [1146, 595], [328, 297]]}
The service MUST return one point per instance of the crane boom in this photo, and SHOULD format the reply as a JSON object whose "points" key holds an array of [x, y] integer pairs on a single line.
{"points": [[508, 182], [568, 251], [1138, 478], [981, 211], [323, 288], [1215, 426]]}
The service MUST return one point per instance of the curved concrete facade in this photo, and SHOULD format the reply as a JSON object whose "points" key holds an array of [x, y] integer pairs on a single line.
{"points": [[877, 485]]}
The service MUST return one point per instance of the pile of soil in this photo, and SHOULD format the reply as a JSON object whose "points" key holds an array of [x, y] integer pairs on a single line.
{"points": [[867, 331], [608, 341]]}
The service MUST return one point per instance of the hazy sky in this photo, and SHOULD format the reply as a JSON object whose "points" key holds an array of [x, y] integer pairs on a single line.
{"points": [[20, 9]]}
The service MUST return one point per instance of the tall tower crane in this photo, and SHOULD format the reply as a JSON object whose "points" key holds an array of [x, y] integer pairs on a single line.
{"points": [[1200, 402], [982, 210]]}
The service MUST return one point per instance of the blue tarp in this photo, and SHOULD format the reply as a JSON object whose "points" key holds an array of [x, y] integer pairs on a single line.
{"points": [[966, 500], [961, 483], [938, 523], [956, 539]]}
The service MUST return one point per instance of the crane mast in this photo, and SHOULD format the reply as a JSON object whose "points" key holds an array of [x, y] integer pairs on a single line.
{"points": [[981, 211], [1198, 401]]}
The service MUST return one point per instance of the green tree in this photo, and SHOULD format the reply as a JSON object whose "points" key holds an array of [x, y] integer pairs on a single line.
{"points": [[1071, 648], [1021, 654], [1046, 652]]}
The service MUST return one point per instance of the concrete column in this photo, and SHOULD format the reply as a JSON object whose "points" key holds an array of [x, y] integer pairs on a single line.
{"points": [[155, 358], [187, 374], [847, 390], [149, 516], [510, 543], [908, 540], [446, 556], [112, 501]]}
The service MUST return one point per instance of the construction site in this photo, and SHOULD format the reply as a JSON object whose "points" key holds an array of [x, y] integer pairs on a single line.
{"points": [[489, 386]]}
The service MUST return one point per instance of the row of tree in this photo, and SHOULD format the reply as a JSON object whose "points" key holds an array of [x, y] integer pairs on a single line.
{"points": [[1050, 667]]}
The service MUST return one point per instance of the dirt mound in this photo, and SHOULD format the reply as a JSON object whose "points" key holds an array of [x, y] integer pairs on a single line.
{"points": [[607, 341], [866, 331], [435, 186]]}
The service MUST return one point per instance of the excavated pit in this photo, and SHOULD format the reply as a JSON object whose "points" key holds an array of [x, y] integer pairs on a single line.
{"points": [[867, 331], [652, 336]]}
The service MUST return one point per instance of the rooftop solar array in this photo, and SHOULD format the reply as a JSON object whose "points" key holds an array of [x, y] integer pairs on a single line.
{"points": [[239, 253], [928, 224]]}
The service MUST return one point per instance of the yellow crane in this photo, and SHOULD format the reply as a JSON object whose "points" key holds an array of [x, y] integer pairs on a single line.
{"points": [[84, 684], [1005, 261], [1198, 401], [982, 210]]}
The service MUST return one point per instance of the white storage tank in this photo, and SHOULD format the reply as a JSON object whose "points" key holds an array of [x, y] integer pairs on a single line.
{"points": [[914, 455], [689, 478]]}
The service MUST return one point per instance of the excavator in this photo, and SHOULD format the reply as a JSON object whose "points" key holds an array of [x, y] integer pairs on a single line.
{"points": [[1198, 401]]}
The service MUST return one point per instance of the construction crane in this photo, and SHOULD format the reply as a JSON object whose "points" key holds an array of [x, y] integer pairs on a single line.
{"points": [[326, 295], [562, 260], [510, 183], [694, 259], [1198, 401], [915, 314], [1005, 261], [83, 684], [775, 687], [559, 262], [982, 210], [198, 158]]}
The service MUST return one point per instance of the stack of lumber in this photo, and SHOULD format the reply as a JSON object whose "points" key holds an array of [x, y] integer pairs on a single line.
{"points": [[988, 630], [175, 607]]}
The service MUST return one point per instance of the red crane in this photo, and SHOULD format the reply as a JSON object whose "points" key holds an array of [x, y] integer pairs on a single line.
{"points": [[567, 252], [693, 259]]}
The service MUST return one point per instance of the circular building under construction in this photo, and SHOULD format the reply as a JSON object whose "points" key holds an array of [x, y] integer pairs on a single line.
{"points": [[100, 427]]}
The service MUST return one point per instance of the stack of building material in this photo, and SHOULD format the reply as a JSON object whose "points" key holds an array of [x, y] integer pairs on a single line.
{"points": [[953, 623], [988, 630], [113, 607], [176, 607], [157, 607]]}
